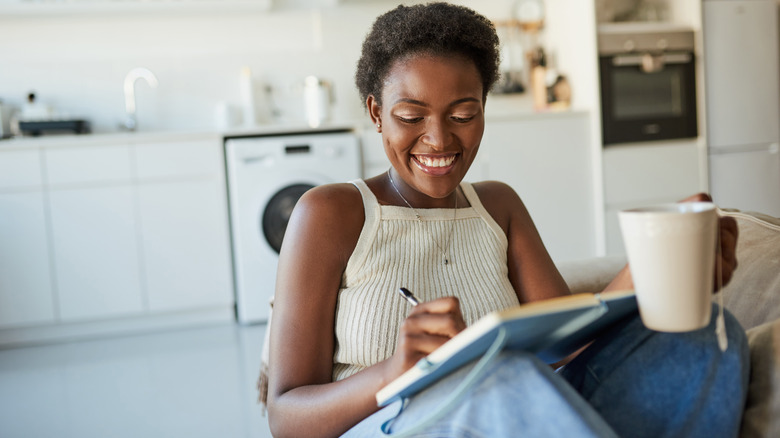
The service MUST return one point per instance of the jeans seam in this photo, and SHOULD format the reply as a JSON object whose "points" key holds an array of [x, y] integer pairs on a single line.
{"points": [[593, 373]]}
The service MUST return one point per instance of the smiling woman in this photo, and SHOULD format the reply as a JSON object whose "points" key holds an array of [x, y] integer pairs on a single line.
{"points": [[340, 332], [432, 125]]}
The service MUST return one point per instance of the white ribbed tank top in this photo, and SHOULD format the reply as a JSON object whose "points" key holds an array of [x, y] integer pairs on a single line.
{"points": [[396, 250]]}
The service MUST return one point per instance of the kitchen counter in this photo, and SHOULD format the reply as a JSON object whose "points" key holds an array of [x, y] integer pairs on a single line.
{"points": [[109, 138]]}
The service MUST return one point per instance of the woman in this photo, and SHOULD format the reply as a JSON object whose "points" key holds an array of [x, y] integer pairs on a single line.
{"points": [[340, 332]]}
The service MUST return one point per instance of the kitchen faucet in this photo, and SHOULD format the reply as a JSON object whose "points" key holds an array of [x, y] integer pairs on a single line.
{"points": [[131, 122]]}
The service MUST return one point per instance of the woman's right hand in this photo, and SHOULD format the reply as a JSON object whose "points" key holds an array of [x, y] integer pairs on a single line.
{"points": [[428, 326]]}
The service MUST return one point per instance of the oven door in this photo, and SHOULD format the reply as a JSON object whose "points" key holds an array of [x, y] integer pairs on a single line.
{"points": [[648, 97]]}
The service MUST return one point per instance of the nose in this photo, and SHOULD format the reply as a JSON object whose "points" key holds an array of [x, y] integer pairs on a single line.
{"points": [[437, 134]]}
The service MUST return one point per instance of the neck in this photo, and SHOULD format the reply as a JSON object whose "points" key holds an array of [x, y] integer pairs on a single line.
{"points": [[411, 198]]}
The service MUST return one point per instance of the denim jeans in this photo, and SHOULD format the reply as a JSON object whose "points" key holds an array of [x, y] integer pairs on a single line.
{"points": [[631, 382]]}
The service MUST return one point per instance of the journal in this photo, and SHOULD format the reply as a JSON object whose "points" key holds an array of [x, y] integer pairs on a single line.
{"points": [[552, 329]]}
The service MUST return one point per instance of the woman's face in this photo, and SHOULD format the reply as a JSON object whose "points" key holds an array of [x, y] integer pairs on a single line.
{"points": [[432, 120]]}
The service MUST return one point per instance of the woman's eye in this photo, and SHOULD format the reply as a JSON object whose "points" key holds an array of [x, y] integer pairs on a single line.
{"points": [[462, 119], [409, 119]]}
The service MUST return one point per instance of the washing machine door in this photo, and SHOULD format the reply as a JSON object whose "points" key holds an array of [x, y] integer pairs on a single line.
{"points": [[276, 215], [277, 203]]}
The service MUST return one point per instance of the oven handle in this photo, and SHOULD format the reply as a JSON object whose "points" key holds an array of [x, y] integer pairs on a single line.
{"points": [[651, 63]]}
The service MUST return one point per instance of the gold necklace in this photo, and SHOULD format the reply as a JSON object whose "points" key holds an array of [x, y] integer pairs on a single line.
{"points": [[444, 251]]}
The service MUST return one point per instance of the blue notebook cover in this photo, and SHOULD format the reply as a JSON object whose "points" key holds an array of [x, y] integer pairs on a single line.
{"points": [[551, 329]]}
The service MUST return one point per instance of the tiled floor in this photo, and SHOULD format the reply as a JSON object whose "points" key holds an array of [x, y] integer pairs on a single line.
{"points": [[179, 384]]}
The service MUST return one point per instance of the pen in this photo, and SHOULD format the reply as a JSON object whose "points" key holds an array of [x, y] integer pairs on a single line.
{"points": [[408, 296]]}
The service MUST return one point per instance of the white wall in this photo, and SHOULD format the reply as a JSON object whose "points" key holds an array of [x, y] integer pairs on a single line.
{"points": [[77, 61]]}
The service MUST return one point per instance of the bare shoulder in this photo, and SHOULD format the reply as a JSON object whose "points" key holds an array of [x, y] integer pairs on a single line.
{"points": [[501, 201], [330, 213], [332, 198], [494, 190]]}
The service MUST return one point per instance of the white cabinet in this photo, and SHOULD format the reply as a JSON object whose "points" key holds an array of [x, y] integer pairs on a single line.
{"points": [[741, 67], [747, 180], [645, 174], [96, 252], [92, 165], [183, 226], [186, 258], [547, 160], [741, 63], [26, 294], [20, 169], [114, 231], [94, 242]]}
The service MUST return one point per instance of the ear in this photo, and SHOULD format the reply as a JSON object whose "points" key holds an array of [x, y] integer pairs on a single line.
{"points": [[374, 111]]}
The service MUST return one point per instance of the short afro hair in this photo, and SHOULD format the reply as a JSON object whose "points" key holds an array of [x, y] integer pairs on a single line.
{"points": [[435, 29]]}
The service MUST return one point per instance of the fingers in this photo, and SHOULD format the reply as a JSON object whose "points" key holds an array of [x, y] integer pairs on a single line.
{"points": [[440, 305], [727, 252], [699, 197], [418, 345], [440, 324], [729, 235], [427, 327], [438, 317]]}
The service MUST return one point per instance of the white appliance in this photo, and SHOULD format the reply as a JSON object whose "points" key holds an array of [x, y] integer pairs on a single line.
{"points": [[266, 177], [742, 80]]}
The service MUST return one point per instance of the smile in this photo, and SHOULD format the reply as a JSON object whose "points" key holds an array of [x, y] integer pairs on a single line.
{"points": [[430, 161]]}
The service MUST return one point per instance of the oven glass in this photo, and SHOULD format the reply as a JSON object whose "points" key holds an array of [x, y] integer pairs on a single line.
{"points": [[639, 95], [639, 105]]}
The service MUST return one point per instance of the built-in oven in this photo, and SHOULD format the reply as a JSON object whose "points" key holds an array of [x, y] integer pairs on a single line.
{"points": [[648, 82]]}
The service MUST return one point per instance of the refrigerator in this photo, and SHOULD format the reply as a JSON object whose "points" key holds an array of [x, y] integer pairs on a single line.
{"points": [[742, 89]]}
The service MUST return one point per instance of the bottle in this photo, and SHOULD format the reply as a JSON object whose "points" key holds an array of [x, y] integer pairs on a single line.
{"points": [[247, 98], [539, 80]]}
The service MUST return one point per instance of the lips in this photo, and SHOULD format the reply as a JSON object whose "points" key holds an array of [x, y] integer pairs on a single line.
{"points": [[435, 164]]}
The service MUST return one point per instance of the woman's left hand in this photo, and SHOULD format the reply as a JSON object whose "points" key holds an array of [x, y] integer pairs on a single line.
{"points": [[726, 255]]}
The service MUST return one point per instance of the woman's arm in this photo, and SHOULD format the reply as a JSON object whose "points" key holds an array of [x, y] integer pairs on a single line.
{"points": [[532, 272], [325, 223], [302, 400]]}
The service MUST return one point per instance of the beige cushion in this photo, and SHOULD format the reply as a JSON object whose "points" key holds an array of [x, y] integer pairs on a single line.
{"points": [[762, 411], [753, 295], [592, 274]]}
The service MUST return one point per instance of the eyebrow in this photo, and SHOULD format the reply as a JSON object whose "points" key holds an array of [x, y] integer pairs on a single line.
{"points": [[423, 104]]}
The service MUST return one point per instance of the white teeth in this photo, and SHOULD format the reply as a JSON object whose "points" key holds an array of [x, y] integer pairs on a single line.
{"points": [[436, 162]]}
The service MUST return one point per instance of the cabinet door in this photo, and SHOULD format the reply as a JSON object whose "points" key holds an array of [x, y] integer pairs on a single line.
{"points": [[96, 252], [652, 173], [89, 165], [25, 277], [548, 163], [748, 180], [20, 169], [642, 175], [741, 64], [185, 245], [184, 159]]}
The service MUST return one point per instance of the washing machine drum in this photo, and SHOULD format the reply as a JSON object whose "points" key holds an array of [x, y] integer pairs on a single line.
{"points": [[277, 213]]}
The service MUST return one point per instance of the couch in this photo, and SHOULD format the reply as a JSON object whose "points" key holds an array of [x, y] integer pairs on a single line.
{"points": [[753, 296]]}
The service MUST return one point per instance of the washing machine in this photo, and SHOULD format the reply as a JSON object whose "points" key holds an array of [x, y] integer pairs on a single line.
{"points": [[266, 177]]}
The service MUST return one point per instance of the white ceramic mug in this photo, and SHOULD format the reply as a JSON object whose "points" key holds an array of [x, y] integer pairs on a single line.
{"points": [[671, 254]]}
